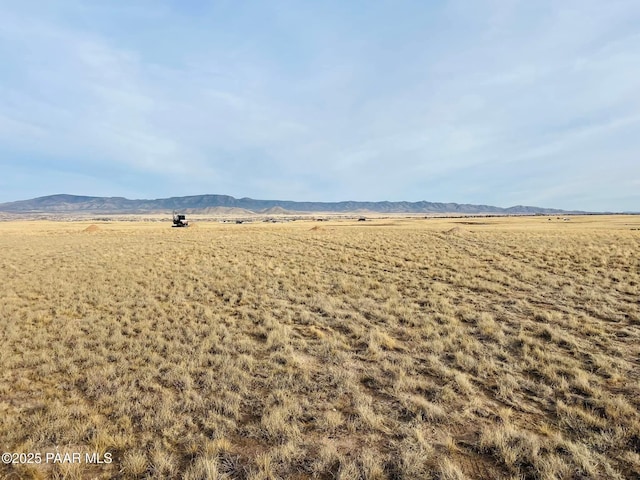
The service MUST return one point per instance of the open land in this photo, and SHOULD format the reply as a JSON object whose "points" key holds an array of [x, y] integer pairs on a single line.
{"points": [[395, 348]]}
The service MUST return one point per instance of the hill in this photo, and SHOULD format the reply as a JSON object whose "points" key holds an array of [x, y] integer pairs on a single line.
{"points": [[63, 203]]}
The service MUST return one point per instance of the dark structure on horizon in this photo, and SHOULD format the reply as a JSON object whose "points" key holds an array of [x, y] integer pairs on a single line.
{"points": [[179, 220]]}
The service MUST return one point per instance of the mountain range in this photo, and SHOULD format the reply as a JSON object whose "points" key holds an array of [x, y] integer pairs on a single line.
{"points": [[63, 203]]}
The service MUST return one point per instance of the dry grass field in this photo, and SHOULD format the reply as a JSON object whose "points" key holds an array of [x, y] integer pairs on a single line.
{"points": [[504, 348]]}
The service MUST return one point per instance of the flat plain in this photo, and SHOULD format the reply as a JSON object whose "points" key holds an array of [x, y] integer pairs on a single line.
{"points": [[504, 348]]}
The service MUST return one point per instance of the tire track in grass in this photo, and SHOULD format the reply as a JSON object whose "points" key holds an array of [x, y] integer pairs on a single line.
{"points": [[572, 306]]}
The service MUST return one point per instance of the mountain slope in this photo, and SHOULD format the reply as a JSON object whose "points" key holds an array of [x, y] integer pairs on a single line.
{"points": [[77, 204]]}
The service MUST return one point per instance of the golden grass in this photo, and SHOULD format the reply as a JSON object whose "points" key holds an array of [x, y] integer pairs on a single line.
{"points": [[403, 348]]}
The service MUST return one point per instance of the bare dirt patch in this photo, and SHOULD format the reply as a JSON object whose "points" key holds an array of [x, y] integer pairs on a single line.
{"points": [[455, 231]]}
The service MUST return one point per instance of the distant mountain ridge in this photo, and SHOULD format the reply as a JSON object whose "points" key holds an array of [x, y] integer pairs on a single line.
{"points": [[63, 203]]}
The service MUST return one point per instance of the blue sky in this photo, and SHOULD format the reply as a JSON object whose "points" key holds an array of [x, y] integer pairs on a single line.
{"points": [[498, 102]]}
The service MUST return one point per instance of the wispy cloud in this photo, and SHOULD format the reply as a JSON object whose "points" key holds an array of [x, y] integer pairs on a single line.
{"points": [[491, 102]]}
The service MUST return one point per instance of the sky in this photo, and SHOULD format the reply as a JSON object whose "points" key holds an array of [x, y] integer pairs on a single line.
{"points": [[498, 102]]}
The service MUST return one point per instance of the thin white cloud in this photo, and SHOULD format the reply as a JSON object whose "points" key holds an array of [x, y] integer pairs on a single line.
{"points": [[321, 102]]}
